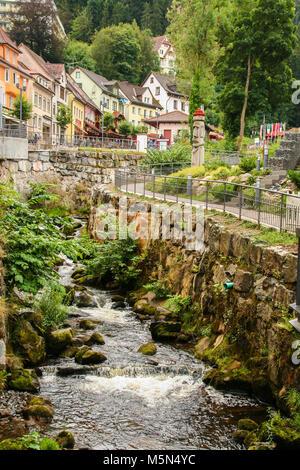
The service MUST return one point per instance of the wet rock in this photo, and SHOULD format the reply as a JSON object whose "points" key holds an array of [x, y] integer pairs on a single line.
{"points": [[202, 346], [118, 305], [94, 338], [148, 349], [165, 331], [142, 317], [243, 281], [145, 309], [23, 380], [65, 440], [117, 298], [86, 355], [12, 427], [70, 352], [87, 324], [31, 345], [58, 340], [39, 409], [240, 435], [84, 300]]}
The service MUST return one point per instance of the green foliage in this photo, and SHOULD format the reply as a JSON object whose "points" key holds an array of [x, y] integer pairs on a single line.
{"points": [[178, 303], [34, 441], [125, 128], [248, 164], [177, 153], [33, 241], [115, 261], [78, 53], [39, 193], [109, 121], [159, 288], [50, 303], [294, 176], [26, 108], [63, 116], [3, 377]]}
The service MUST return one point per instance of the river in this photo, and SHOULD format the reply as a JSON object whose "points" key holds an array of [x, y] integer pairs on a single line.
{"points": [[139, 402]]}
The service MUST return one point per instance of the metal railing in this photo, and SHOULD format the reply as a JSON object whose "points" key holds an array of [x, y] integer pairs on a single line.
{"points": [[261, 206]]}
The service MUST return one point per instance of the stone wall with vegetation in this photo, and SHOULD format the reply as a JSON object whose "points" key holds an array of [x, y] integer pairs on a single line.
{"points": [[243, 332], [68, 166]]}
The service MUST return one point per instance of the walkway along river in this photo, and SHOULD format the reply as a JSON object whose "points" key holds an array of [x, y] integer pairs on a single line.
{"points": [[133, 401]]}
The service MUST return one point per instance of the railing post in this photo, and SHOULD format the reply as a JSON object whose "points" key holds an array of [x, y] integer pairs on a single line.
{"points": [[153, 174], [189, 185], [134, 183], [144, 185], [240, 202], [224, 209], [117, 178], [153, 187], [281, 213], [165, 187], [206, 198], [126, 181], [177, 189]]}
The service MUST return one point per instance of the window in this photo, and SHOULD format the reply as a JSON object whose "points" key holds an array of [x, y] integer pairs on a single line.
{"points": [[150, 114], [175, 104], [115, 106], [44, 104], [14, 58], [40, 123], [77, 74], [139, 111], [24, 82], [7, 54], [34, 120], [151, 80], [133, 110], [40, 101], [139, 123], [145, 113], [14, 78], [133, 123], [48, 106], [62, 93], [7, 75], [11, 102], [183, 107], [157, 91], [36, 99]]}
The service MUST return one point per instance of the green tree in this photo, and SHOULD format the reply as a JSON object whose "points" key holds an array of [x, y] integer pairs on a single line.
{"points": [[148, 58], [33, 23], [157, 18], [254, 63], [109, 121], [78, 53], [26, 108], [82, 27], [125, 128], [63, 116], [195, 99], [146, 19], [117, 50]]}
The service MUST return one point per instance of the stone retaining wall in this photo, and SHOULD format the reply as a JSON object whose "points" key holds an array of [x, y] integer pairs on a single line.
{"points": [[287, 157], [252, 319]]}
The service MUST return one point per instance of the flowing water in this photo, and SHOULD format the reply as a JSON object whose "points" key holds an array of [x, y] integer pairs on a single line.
{"points": [[133, 401]]}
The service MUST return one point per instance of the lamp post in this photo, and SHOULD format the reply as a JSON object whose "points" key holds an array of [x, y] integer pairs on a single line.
{"points": [[296, 307], [103, 104], [23, 88]]}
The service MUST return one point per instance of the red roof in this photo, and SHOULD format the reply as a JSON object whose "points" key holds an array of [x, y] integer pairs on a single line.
{"points": [[159, 40], [199, 112], [5, 39]]}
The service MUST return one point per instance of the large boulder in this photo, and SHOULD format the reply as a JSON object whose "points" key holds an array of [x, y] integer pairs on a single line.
{"points": [[148, 349], [23, 380], [165, 330], [59, 340], [85, 300], [87, 324], [65, 440], [30, 344], [94, 338], [86, 355], [39, 409]]}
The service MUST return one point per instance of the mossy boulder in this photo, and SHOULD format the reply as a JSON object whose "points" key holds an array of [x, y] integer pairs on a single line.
{"points": [[94, 338], [29, 343], [144, 308], [86, 355], [58, 340], [263, 446], [240, 435], [148, 349], [134, 296], [165, 330], [87, 324], [23, 380], [283, 434], [12, 444], [39, 409], [247, 425], [85, 300], [70, 351], [65, 440]]}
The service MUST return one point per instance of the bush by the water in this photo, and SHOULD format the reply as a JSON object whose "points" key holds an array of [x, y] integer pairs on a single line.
{"points": [[50, 304], [294, 177]]}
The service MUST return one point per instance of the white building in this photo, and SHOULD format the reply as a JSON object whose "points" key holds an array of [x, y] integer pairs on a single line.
{"points": [[166, 54], [164, 90]]}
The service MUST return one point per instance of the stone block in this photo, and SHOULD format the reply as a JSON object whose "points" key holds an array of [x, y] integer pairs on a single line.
{"points": [[243, 281]]}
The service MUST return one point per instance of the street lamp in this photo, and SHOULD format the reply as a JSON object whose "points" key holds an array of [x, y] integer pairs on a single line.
{"points": [[103, 104], [23, 88]]}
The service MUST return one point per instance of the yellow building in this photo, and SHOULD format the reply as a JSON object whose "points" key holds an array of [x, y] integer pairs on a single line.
{"points": [[140, 105], [75, 129]]}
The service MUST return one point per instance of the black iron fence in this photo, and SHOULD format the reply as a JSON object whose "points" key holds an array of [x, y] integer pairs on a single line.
{"points": [[261, 206]]}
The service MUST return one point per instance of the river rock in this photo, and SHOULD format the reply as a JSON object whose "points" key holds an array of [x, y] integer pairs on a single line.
{"points": [[87, 324], [165, 331], [23, 380], [84, 300], [31, 345], [148, 349], [202, 346], [65, 440], [39, 409], [86, 355], [58, 340], [94, 338], [117, 298], [243, 281], [118, 305]]}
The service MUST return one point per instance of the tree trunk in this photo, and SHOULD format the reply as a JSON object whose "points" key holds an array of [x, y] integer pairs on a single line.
{"points": [[243, 115]]}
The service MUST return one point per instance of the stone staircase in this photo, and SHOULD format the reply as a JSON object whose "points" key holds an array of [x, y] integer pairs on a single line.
{"points": [[270, 180], [287, 157]]}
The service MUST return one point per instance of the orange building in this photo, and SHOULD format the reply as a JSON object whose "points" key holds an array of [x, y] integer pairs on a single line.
{"points": [[11, 74]]}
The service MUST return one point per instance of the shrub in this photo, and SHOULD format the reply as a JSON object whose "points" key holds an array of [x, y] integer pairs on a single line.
{"points": [[294, 177], [177, 153], [221, 173], [248, 164], [50, 303], [158, 287]]}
